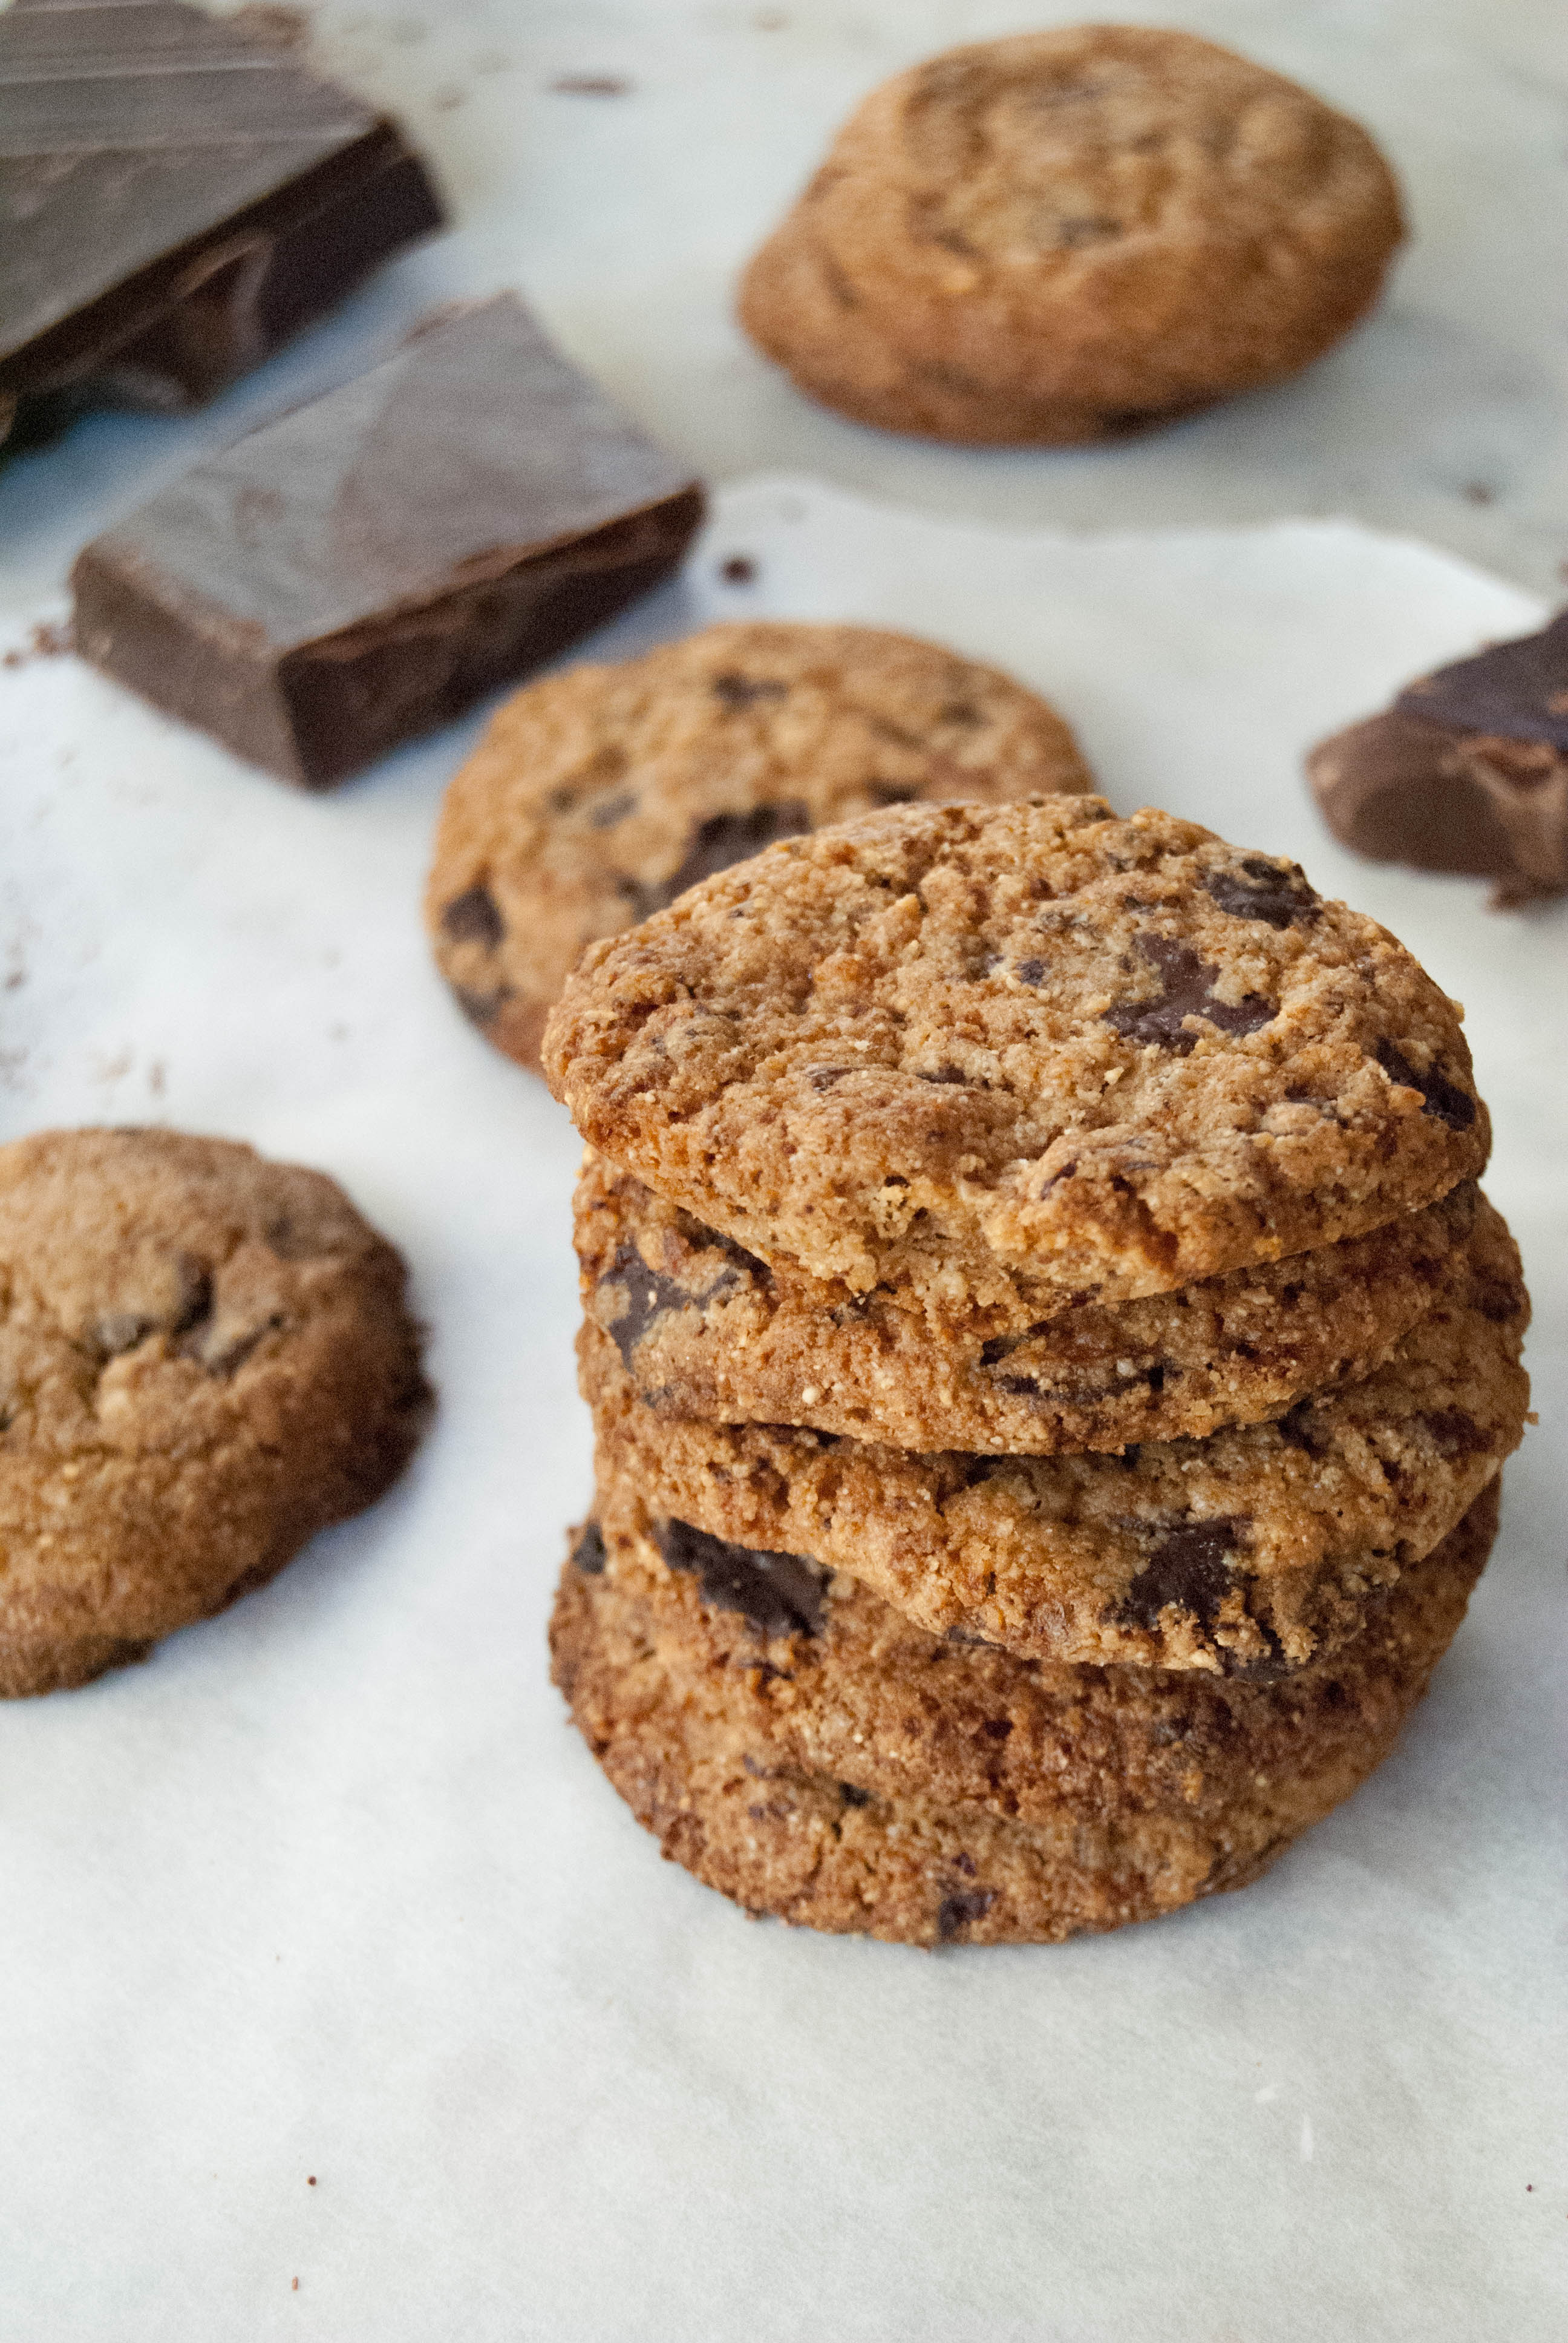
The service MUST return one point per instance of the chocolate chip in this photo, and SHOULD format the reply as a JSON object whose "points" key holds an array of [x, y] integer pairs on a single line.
{"points": [[1189, 1568], [779, 1594], [738, 691], [1186, 992], [1456, 1433], [1518, 690], [997, 1728], [1029, 971], [944, 1074], [1439, 1096], [739, 569], [852, 1795], [472, 917], [650, 1294], [481, 1008], [589, 1554], [960, 1908], [1276, 892], [609, 810]]}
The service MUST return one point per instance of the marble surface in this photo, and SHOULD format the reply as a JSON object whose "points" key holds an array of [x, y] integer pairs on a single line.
{"points": [[625, 217]]}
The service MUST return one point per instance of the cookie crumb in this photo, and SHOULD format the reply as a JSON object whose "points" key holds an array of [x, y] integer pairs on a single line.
{"points": [[739, 569], [591, 85]]}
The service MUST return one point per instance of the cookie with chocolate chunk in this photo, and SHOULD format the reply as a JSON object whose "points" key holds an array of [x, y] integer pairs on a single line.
{"points": [[1070, 234], [704, 1328], [1467, 771], [804, 1748], [1254, 1550], [1019, 1056], [599, 796], [205, 1358]]}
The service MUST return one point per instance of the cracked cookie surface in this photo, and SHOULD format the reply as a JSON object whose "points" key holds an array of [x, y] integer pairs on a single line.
{"points": [[707, 1330], [1070, 234], [205, 1358], [802, 1747], [1019, 1056], [1255, 1549], [598, 796]]}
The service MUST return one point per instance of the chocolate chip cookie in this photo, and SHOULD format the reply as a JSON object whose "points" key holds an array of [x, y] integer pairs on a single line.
{"points": [[1253, 1550], [1467, 771], [1070, 234], [1019, 1056], [706, 1329], [205, 1358], [801, 1746], [599, 796]]}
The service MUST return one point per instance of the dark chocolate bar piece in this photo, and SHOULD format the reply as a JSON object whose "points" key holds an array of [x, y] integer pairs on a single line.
{"points": [[176, 200], [364, 569], [1518, 690], [1468, 771]]}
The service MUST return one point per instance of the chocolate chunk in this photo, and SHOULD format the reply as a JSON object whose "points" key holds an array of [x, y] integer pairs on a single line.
{"points": [[176, 201], [728, 838], [852, 1795], [1400, 789], [472, 917], [650, 1294], [960, 1908], [1189, 1568], [1029, 971], [1439, 1096], [1277, 892], [1457, 1434], [737, 691], [1186, 992], [481, 1008], [443, 523], [588, 1554], [779, 1594], [1518, 690]]}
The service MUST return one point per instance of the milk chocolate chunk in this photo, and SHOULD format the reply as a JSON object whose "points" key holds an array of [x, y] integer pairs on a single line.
{"points": [[1468, 771], [175, 199], [364, 569]]}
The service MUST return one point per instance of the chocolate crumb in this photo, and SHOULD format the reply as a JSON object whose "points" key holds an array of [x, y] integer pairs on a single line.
{"points": [[591, 85], [739, 569]]}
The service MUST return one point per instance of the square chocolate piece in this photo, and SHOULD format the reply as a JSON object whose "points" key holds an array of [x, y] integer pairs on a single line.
{"points": [[364, 569], [176, 200]]}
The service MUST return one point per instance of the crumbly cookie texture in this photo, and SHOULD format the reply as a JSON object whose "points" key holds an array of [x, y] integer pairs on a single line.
{"points": [[599, 796], [1019, 1056], [205, 1358], [1255, 1549], [802, 1747], [707, 1330], [1067, 235]]}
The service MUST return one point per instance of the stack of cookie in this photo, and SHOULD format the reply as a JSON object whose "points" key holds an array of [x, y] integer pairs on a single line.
{"points": [[1050, 1359]]}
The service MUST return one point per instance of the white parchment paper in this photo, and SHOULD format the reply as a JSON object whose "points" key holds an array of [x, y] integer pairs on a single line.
{"points": [[330, 1889]]}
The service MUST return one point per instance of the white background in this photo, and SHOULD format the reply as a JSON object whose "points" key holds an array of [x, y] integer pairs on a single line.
{"points": [[328, 1887]]}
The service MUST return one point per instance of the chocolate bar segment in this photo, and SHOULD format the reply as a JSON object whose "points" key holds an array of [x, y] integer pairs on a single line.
{"points": [[364, 569], [1468, 771], [1517, 690], [176, 200]]}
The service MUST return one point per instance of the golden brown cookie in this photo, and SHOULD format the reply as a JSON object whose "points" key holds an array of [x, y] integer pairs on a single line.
{"points": [[205, 1358], [598, 796], [1019, 1056], [705, 1329], [1255, 1549], [806, 1750], [1070, 234]]}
